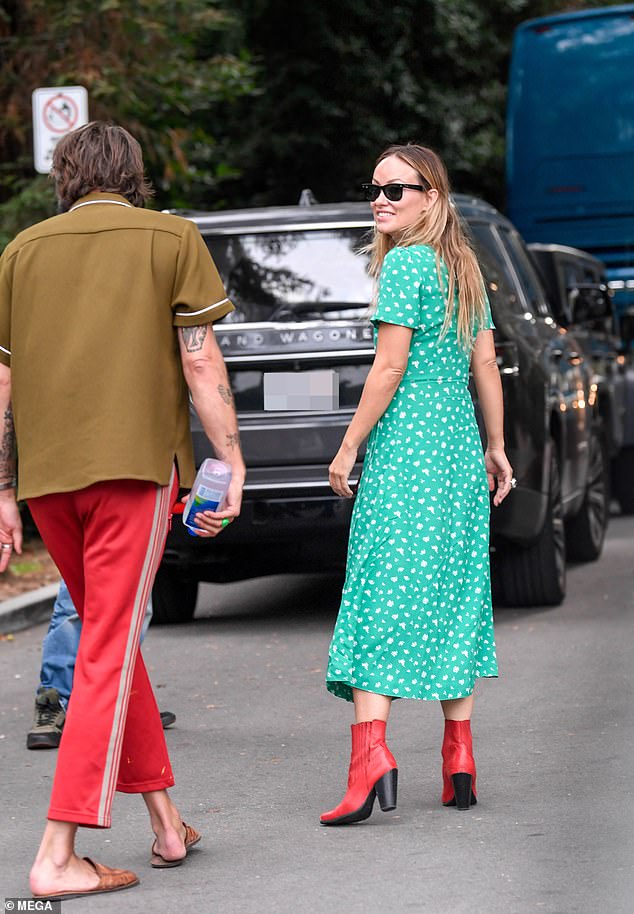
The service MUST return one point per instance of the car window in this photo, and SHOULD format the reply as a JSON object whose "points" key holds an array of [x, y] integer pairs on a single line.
{"points": [[580, 271], [499, 282], [293, 275], [532, 287]]}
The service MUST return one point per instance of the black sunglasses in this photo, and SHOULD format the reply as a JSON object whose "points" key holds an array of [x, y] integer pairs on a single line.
{"points": [[392, 192]]}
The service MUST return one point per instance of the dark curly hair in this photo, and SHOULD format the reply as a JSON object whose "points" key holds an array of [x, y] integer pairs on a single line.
{"points": [[99, 157]]}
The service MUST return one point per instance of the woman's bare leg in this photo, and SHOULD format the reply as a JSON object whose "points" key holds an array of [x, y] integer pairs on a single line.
{"points": [[370, 706], [458, 708]]}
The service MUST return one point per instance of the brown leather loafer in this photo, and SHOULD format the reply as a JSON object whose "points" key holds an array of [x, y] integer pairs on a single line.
{"points": [[191, 837], [110, 880]]}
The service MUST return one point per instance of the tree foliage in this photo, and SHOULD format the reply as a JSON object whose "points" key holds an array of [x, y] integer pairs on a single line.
{"points": [[162, 68], [246, 102], [341, 79]]}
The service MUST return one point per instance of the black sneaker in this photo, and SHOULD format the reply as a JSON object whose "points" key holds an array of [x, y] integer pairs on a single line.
{"points": [[48, 721], [167, 719]]}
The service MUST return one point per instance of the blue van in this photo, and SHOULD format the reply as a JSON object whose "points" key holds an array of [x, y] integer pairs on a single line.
{"points": [[570, 138]]}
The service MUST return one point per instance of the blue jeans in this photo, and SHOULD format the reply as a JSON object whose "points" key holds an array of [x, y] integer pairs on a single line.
{"points": [[59, 649]]}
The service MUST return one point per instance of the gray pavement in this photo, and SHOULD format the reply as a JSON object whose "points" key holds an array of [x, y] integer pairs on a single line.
{"points": [[259, 749]]}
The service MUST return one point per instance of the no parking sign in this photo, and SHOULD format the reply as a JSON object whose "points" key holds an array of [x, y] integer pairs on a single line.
{"points": [[56, 111]]}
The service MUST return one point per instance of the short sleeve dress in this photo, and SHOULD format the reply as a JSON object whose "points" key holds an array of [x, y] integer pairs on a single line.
{"points": [[415, 619]]}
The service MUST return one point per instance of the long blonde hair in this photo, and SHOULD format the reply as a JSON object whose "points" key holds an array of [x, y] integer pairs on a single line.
{"points": [[440, 228]]}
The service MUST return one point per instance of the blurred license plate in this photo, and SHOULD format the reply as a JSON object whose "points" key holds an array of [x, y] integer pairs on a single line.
{"points": [[301, 390]]}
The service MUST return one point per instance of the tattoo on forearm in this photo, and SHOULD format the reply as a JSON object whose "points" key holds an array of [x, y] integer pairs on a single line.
{"points": [[233, 440], [7, 447], [194, 337], [225, 393]]}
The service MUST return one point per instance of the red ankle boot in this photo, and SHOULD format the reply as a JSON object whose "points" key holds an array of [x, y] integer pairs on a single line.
{"points": [[373, 772], [458, 768]]}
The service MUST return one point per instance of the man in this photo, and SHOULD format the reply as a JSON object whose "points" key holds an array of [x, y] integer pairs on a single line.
{"points": [[59, 652], [105, 322]]}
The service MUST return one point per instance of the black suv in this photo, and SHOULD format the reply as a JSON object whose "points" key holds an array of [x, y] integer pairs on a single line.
{"points": [[577, 286], [301, 293]]}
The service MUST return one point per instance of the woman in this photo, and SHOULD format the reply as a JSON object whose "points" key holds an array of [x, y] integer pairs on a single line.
{"points": [[415, 618]]}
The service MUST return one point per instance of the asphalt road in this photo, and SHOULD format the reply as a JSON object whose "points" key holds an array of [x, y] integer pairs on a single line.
{"points": [[259, 749]]}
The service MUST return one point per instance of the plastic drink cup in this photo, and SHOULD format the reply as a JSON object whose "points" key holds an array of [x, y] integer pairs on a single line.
{"points": [[208, 492]]}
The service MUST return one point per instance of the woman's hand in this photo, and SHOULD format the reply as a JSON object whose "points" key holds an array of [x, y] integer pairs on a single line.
{"points": [[340, 469], [499, 471]]}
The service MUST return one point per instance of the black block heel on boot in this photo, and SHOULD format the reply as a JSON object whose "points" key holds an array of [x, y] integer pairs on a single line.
{"points": [[464, 796], [386, 790]]}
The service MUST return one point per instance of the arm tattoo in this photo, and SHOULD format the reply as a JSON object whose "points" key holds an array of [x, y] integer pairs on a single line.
{"points": [[194, 337], [233, 440], [225, 393], [7, 447]]}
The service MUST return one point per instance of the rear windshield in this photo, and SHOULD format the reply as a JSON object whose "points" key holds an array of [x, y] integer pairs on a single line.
{"points": [[290, 276]]}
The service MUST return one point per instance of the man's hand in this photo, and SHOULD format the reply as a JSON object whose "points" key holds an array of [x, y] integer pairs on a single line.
{"points": [[10, 521], [10, 529], [210, 523]]}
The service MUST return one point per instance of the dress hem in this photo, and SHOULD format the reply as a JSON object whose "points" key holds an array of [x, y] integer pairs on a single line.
{"points": [[436, 697]]}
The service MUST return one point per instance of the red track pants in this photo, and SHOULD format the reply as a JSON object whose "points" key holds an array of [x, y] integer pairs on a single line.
{"points": [[107, 541]]}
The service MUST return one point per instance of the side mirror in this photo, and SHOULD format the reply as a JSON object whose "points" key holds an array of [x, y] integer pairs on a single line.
{"points": [[589, 303]]}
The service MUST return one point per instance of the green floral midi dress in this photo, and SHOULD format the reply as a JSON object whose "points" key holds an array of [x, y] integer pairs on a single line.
{"points": [[415, 619]]}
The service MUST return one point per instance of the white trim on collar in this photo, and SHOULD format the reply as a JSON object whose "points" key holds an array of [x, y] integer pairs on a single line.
{"points": [[90, 202]]}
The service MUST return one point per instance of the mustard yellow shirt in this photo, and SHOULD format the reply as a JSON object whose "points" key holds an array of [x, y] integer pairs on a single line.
{"points": [[89, 303]]}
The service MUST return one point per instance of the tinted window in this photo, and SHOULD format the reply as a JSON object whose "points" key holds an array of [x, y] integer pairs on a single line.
{"points": [[531, 286], [579, 271], [499, 283], [289, 276]]}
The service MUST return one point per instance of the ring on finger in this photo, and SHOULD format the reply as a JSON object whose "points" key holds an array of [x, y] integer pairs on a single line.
{"points": [[7, 545], [513, 482]]}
